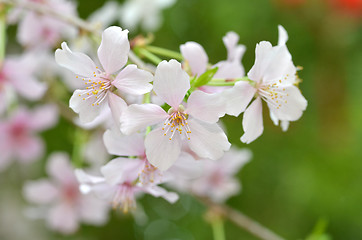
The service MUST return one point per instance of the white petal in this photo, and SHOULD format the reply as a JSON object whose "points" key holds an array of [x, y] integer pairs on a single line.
{"points": [[83, 177], [206, 107], [78, 63], [284, 125], [291, 106], [238, 97], [157, 191], [40, 191], [93, 210], [233, 160], [121, 145], [160, 151], [87, 112], [253, 122], [44, 117], [114, 48], [121, 170], [207, 140], [283, 35], [195, 56], [117, 106], [29, 87], [137, 117], [133, 80], [229, 70], [171, 82]]}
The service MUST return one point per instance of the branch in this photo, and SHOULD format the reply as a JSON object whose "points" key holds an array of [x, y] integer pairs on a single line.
{"points": [[241, 220]]}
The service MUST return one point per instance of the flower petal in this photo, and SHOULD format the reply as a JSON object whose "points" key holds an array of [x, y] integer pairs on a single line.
{"points": [[29, 87], [160, 151], [29, 149], [283, 35], [114, 48], [93, 210], [253, 122], [157, 191], [121, 145], [44, 117], [133, 80], [77, 62], [117, 106], [171, 82], [121, 170], [238, 97], [207, 140], [206, 107], [63, 218], [195, 56], [40, 191], [83, 106], [138, 117], [60, 169]]}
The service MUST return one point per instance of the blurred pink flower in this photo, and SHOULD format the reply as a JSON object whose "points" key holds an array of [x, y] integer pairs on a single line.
{"points": [[197, 121], [22, 82], [98, 96], [274, 77], [38, 30], [66, 206], [18, 138], [197, 60]]}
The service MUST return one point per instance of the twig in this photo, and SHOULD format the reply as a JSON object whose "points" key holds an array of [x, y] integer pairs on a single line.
{"points": [[241, 220]]}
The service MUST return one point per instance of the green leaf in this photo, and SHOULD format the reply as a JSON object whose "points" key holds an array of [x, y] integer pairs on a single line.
{"points": [[204, 78]]}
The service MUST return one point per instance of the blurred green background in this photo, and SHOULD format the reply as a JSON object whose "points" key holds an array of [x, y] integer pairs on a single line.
{"points": [[311, 172]]}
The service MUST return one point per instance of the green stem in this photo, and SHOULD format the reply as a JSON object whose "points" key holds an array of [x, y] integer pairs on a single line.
{"points": [[226, 82], [218, 229], [150, 56], [2, 32], [147, 99], [164, 52], [78, 143]]}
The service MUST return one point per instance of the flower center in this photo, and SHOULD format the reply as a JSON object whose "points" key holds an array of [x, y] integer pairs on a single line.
{"points": [[97, 87], [124, 197], [177, 122], [272, 94], [149, 174]]}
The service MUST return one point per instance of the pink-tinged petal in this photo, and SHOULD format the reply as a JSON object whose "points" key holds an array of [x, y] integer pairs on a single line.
{"points": [[138, 117], [271, 63], [253, 122], [84, 106], [43, 117], [133, 80], [229, 70], [121, 145], [60, 169], [186, 167], [234, 159], [93, 210], [206, 107], [77, 62], [114, 48], [195, 56], [238, 97], [63, 218], [292, 104], [283, 35], [171, 82], [157, 191], [29, 87], [160, 151], [121, 170], [29, 29], [40, 191], [207, 140], [117, 106], [29, 149]]}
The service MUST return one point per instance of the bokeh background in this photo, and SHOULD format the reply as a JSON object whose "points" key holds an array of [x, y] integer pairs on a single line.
{"points": [[308, 175]]}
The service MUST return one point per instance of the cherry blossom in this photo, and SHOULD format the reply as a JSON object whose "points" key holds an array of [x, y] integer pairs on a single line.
{"points": [[22, 82], [98, 94], [195, 123], [18, 139], [197, 60], [37, 30], [66, 206], [272, 79]]}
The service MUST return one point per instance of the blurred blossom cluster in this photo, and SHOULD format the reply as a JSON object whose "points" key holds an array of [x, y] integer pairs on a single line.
{"points": [[158, 119]]}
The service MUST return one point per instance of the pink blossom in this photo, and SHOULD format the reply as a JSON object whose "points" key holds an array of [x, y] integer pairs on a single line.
{"points": [[197, 60], [18, 139], [98, 95], [22, 82], [195, 123], [66, 206], [273, 78], [37, 30]]}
